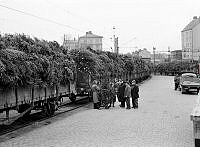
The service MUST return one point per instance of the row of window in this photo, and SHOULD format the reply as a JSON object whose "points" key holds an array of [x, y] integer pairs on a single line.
{"points": [[188, 44], [90, 40], [187, 36], [190, 56], [190, 50]]}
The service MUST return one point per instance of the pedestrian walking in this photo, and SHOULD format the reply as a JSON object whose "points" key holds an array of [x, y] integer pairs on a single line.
{"points": [[127, 95], [176, 81], [120, 94], [95, 89], [134, 94]]}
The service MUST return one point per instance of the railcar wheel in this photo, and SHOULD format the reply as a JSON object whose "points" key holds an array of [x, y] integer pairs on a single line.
{"points": [[49, 108], [23, 108], [72, 97]]}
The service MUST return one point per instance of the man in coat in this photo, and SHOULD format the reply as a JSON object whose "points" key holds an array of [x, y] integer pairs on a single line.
{"points": [[176, 81], [127, 95], [134, 94], [120, 94], [95, 89]]}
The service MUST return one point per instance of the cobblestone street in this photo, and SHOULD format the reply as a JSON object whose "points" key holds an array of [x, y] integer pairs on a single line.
{"points": [[162, 120]]}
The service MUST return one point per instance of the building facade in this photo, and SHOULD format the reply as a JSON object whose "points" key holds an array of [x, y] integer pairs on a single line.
{"points": [[176, 55], [70, 44], [90, 40], [144, 53], [190, 37]]}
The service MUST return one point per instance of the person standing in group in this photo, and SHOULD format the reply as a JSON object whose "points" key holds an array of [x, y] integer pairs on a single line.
{"points": [[95, 89], [127, 95], [134, 94], [120, 95], [116, 86], [112, 95]]}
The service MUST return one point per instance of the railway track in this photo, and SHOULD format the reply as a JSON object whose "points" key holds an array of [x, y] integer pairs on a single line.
{"points": [[39, 116]]}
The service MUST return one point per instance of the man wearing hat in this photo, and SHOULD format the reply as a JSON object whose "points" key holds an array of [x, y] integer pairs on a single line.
{"points": [[127, 95], [134, 94]]}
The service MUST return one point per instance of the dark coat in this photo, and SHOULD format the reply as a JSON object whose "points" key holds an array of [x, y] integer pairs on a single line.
{"points": [[120, 93], [134, 91], [127, 91], [177, 79]]}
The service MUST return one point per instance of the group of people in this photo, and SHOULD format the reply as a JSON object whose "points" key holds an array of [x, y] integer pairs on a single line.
{"points": [[122, 90], [125, 91]]}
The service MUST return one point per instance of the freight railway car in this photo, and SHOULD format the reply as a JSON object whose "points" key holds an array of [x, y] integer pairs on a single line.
{"points": [[20, 101]]}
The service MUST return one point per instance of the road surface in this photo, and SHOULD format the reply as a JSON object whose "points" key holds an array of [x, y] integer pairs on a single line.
{"points": [[162, 120]]}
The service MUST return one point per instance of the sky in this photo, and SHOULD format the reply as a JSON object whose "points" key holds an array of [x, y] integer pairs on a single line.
{"points": [[138, 23]]}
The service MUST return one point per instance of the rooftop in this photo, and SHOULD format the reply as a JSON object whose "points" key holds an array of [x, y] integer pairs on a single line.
{"points": [[192, 24], [91, 35]]}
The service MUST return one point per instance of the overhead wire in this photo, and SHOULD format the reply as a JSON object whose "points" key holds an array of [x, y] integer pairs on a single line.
{"points": [[41, 18], [49, 20], [92, 23], [130, 40], [69, 12]]}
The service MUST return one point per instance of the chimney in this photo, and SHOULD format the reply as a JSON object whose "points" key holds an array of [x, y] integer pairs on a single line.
{"points": [[195, 17]]}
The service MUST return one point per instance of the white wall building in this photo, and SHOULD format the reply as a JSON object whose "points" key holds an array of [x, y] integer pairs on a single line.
{"points": [[91, 40], [144, 53], [190, 37]]}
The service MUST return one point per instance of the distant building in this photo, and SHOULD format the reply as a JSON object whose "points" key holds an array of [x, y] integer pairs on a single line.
{"points": [[190, 37], [70, 44], [176, 55], [143, 53], [159, 58], [91, 40]]}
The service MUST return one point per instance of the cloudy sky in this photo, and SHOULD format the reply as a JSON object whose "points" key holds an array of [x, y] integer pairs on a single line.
{"points": [[138, 23]]}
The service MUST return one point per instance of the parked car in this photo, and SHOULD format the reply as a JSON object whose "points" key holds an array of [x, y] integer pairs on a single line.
{"points": [[189, 82]]}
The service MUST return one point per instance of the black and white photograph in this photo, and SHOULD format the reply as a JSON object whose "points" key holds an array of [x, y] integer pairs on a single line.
{"points": [[99, 73]]}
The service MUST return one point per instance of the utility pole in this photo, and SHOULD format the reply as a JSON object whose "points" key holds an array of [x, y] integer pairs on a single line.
{"points": [[115, 42], [116, 48], [154, 49], [86, 40], [114, 39], [64, 43], [168, 53]]}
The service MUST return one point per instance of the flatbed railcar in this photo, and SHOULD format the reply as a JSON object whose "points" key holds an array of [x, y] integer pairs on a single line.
{"points": [[22, 100]]}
